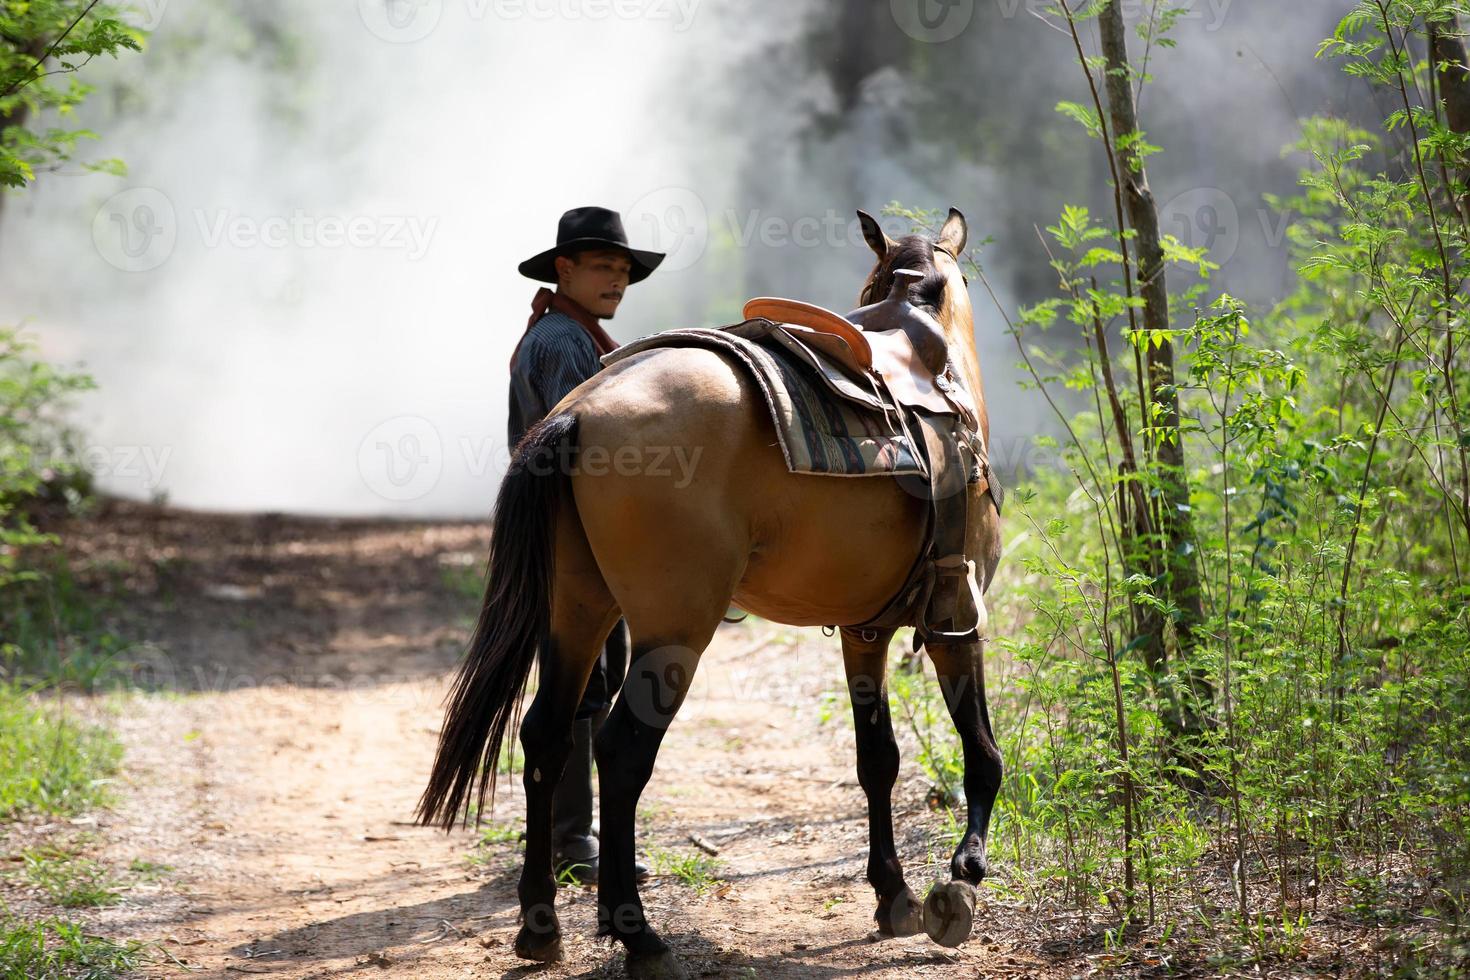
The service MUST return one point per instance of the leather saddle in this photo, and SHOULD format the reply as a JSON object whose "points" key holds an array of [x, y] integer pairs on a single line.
{"points": [[901, 351], [893, 341]]}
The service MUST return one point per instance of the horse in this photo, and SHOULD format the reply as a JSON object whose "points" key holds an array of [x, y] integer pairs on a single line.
{"points": [[592, 523]]}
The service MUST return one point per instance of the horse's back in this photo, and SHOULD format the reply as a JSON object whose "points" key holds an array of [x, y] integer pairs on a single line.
{"points": [[681, 476]]}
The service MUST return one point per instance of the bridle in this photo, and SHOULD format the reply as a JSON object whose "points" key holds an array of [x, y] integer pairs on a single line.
{"points": [[872, 286], [940, 248]]}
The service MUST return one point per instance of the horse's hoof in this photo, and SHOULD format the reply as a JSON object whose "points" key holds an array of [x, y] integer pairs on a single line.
{"points": [[949, 912], [655, 966], [902, 917], [539, 947]]}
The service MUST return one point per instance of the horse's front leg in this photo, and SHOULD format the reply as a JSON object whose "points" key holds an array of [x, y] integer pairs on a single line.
{"points": [[949, 910], [866, 663]]}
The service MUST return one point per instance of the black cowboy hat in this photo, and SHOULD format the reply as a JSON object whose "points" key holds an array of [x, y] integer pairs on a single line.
{"points": [[581, 229]]}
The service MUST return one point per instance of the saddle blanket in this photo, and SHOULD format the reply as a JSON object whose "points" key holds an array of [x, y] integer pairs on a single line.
{"points": [[819, 432]]}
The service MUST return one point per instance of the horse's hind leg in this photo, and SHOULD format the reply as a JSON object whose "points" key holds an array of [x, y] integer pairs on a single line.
{"points": [[582, 615], [866, 663], [665, 654]]}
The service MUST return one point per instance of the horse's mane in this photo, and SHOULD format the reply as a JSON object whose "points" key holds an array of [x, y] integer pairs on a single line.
{"points": [[910, 252]]}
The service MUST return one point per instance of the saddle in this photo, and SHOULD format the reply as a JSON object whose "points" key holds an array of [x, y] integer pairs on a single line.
{"points": [[894, 340], [894, 355]]}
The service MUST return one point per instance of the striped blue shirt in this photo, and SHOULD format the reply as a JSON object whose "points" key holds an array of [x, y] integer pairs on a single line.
{"points": [[555, 356]]}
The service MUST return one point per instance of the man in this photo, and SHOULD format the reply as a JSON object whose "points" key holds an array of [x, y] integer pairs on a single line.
{"points": [[592, 266]]}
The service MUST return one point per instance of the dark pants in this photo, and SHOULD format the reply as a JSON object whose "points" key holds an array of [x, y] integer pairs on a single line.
{"points": [[571, 805], [607, 675]]}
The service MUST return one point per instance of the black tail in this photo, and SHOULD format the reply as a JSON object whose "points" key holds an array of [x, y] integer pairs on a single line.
{"points": [[515, 619]]}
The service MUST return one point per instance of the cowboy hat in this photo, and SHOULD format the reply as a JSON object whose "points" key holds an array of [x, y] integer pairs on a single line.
{"points": [[581, 229]]}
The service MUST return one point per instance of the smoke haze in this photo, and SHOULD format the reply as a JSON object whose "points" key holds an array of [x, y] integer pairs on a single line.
{"points": [[303, 296]]}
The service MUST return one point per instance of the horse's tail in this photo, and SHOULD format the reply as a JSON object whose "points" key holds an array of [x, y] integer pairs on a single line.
{"points": [[515, 620]]}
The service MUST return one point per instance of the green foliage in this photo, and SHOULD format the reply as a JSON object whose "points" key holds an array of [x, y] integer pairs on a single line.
{"points": [[51, 629], [50, 763], [36, 450], [43, 45], [57, 950], [1310, 745], [55, 633]]}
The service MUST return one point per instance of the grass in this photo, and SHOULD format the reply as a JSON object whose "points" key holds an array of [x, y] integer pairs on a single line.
{"points": [[57, 950], [492, 836], [499, 834], [68, 879], [54, 631], [465, 581], [149, 871], [50, 763], [696, 871]]}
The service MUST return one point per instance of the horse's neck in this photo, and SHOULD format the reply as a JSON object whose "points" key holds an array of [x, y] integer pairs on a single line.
{"points": [[962, 354]]}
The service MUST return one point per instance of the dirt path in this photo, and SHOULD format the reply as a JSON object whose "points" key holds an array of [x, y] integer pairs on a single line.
{"points": [[302, 666]]}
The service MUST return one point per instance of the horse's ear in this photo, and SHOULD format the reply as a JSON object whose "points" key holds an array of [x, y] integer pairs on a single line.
{"points": [[955, 233], [878, 239]]}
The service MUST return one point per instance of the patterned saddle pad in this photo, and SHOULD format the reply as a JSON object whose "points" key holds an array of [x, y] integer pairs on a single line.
{"points": [[856, 433]]}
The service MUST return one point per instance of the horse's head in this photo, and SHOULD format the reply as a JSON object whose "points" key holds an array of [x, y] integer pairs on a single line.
{"points": [[942, 292]]}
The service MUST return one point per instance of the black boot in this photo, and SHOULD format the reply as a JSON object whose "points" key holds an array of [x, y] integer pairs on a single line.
{"points": [[574, 842], [574, 848]]}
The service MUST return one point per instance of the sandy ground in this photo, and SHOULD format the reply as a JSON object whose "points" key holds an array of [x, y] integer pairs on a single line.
{"points": [[299, 667]]}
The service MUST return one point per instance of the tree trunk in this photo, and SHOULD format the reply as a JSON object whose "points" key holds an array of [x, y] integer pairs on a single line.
{"points": [[1447, 48], [1175, 537]]}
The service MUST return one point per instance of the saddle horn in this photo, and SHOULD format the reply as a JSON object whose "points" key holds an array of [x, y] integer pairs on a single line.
{"points": [[897, 313]]}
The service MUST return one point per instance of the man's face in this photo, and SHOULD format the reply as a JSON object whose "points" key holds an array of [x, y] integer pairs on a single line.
{"points": [[596, 279]]}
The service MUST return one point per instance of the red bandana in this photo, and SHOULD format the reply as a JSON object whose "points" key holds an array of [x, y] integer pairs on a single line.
{"points": [[546, 299]]}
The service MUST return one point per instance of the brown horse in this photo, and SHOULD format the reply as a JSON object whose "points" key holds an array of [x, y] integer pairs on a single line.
{"points": [[656, 492]]}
